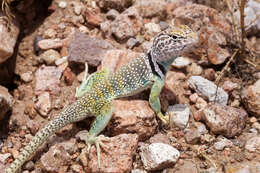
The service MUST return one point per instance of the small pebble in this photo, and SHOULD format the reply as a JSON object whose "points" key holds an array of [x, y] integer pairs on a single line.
{"points": [[27, 76], [62, 4], [131, 42]]}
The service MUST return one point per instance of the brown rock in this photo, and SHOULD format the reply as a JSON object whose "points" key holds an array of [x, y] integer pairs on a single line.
{"points": [[55, 159], [93, 16], [50, 43], [6, 101], [210, 74], [214, 30], [228, 86], [175, 83], [134, 116], [118, 157], [151, 8], [127, 24], [83, 49], [8, 36], [114, 59], [47, 79], [224, 120], [69, 76], [43, 104], [160, 138], [119, 5], [192, 136], [251, 97]]}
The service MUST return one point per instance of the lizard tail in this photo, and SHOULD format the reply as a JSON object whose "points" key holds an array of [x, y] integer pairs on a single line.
{"points": [[64, 118]]}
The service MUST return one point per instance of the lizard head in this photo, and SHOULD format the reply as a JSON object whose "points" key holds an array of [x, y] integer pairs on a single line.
{"points": [[170, 43]]}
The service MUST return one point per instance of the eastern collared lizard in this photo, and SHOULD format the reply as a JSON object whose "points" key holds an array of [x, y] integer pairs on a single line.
{"points": [[100, 89]]}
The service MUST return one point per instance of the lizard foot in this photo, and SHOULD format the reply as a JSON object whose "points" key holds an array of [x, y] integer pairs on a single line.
{"points": [[97, 140], [163, 118]]}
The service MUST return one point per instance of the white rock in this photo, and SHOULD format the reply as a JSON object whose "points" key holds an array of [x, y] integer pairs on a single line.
{"points": [[181, 62], [253, 144], [222, 143], [158, 156], [207, 89], [152, 28], [27, 76], [62, 4], [179, 115], [61, 60], [50, 56]]}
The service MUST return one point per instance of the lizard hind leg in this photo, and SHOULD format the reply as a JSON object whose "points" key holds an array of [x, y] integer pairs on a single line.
{"points": [[87, 83], [98, 125]]}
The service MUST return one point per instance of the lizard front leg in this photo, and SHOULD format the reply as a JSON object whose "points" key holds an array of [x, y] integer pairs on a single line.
{"points": [[88, 82], [98, 125], [154, 98]]}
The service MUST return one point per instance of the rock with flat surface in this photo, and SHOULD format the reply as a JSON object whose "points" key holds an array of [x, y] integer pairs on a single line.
{"points": [[225, 120], [114, 59], [158, 156], [179, 115], [55, 159], [118, 157], [133, 116], [83, 49], [207, 89], [47, 79]]}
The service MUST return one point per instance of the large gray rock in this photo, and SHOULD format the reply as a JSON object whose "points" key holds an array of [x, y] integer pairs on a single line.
{"points": [[207, 89], [83, 49]]}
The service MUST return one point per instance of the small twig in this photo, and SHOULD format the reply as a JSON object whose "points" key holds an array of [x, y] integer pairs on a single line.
{"points": [[226, 66], [242, 25], [235, 28]]}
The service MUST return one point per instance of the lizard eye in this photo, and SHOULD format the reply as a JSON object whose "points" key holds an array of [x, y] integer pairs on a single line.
{"points": [[173, 36]]}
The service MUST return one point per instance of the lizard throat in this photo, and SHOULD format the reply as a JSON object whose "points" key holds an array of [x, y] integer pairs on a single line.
{"points": [[156, 67]]}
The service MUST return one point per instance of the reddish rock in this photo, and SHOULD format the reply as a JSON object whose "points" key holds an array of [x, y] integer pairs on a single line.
{"points": [[224, 120], [93, 16], [228, 86], [117, 158], [133, 116], [160, 138], [127, 24], [69, 76], [47, 79], [251, 97], [55, 159], [214, 30], [175, 83], [151, 8], [114, 59], [33, 126]]}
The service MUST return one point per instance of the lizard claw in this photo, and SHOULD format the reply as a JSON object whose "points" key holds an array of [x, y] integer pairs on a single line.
{"points": [[163, 118], [97, 140]]}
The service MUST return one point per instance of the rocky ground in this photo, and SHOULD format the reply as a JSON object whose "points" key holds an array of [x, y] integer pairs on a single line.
{"points": [[215, 124]]}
